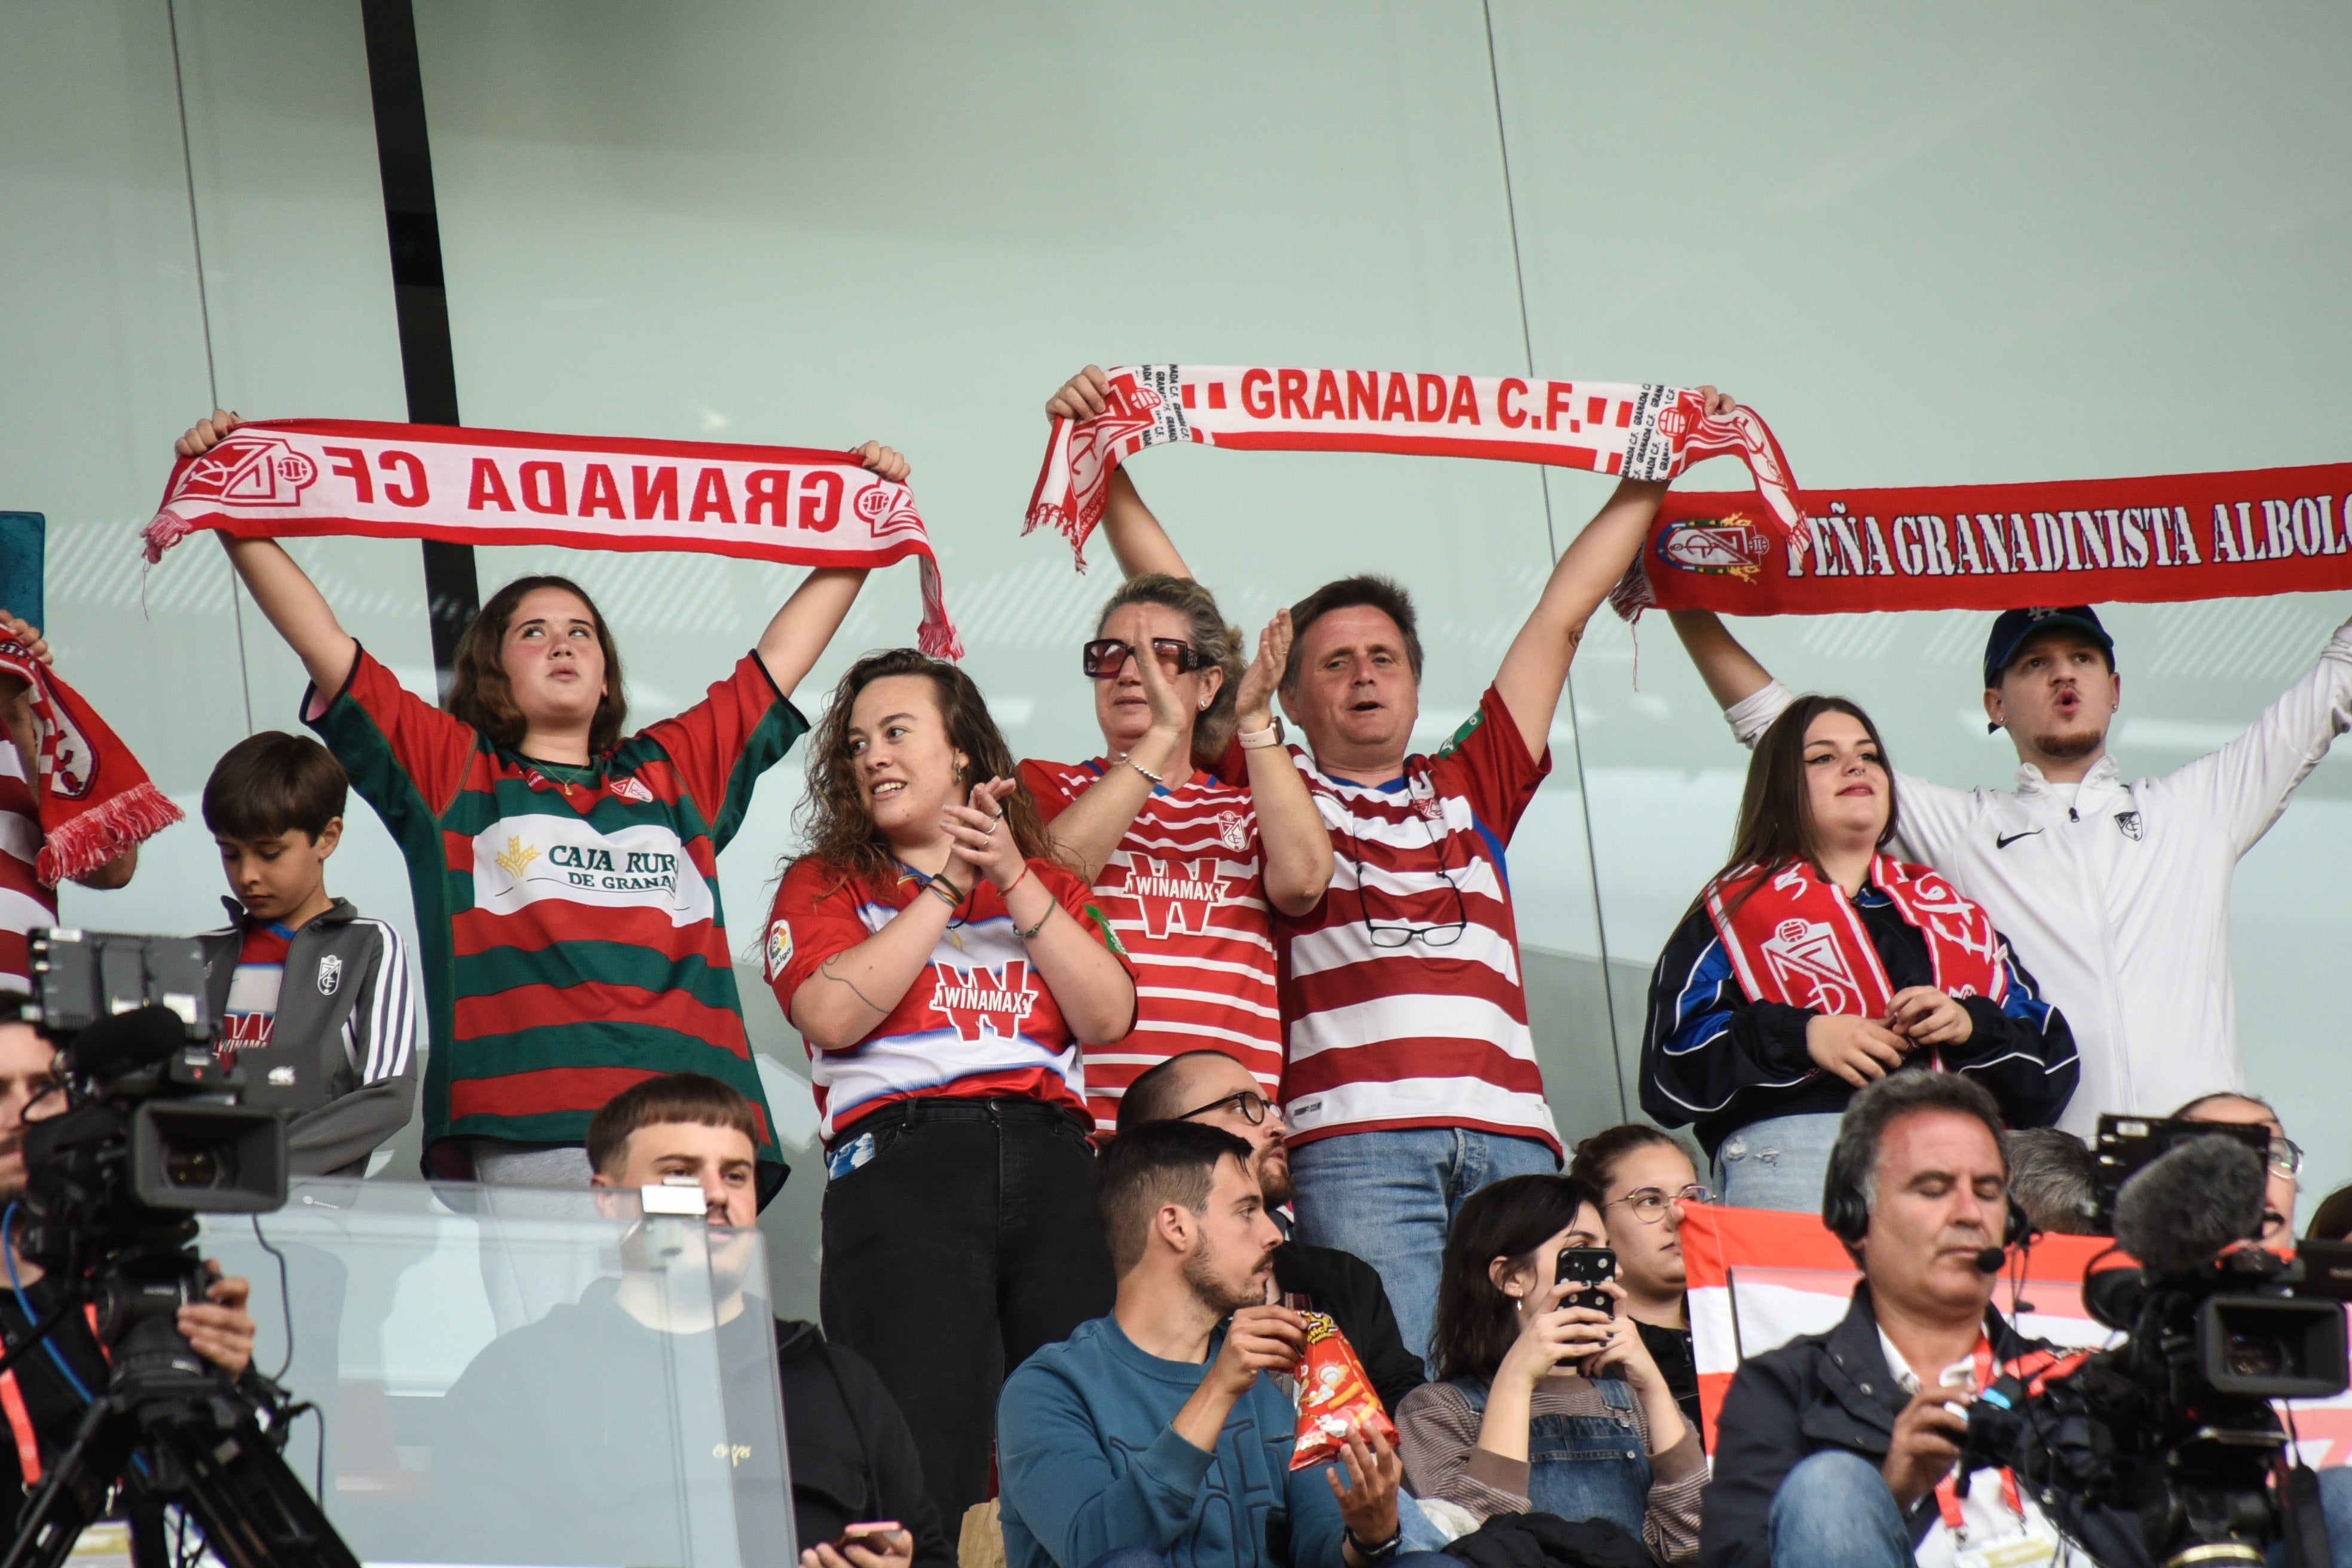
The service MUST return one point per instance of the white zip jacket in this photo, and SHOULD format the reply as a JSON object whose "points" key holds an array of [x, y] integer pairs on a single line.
{"points": [[2119, 901]]}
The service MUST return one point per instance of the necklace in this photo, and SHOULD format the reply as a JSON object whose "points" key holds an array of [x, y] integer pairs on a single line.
{"points": [[566, 776]]}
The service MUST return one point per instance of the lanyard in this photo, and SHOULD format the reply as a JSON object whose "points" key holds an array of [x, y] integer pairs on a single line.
{"points": [[1948, 1491], [20, 1420]]}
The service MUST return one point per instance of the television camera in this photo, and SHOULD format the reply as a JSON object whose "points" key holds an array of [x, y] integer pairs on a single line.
{"points": [[2175, 1425], [150, 1137]]}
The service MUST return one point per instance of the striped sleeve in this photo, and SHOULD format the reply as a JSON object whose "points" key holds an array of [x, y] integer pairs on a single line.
{"points": [[1437, 1438], [390, 1049]]}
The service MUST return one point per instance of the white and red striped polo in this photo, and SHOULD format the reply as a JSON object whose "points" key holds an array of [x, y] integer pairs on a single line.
{"points": [[1406, 1031], [24, 903], [1185, 890]]}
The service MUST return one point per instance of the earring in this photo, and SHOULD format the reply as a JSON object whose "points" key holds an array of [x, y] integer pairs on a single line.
{"points": [[1205, 705]]}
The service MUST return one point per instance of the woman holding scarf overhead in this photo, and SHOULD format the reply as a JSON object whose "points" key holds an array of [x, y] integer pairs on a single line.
{"points": [[1814, 962], [564, 871], [944, 971]]}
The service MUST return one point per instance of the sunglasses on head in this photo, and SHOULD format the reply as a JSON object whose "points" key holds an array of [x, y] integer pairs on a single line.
{"points": [[1105, 656]]}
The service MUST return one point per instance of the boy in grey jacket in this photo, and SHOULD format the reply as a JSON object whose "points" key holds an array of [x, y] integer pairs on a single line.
{"points": [[313, 998]]}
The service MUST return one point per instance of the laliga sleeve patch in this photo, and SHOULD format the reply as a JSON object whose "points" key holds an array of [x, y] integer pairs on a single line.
{"points": [[779, 949]]}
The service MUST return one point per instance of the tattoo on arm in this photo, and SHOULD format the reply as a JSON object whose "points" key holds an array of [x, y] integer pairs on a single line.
{"points": [[826, 969]]}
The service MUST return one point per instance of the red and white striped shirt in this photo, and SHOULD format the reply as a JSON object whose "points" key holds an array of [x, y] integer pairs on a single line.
{"points": [[1387, 1028], [1185, 890], [24, 904]]}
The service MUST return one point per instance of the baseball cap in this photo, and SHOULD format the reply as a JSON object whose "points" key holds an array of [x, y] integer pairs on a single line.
{"points": [[2014, 626]]}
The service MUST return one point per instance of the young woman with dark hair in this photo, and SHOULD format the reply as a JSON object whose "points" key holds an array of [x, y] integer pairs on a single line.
{"points": [[1524, 1419], [1815, 963], [565, 875], [1645, 1181], [944, 970]]}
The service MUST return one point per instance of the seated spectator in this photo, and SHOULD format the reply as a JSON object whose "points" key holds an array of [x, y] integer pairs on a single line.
{"points": [[1151, 1435], [2052, 1177], [335, 1053], [2332, 1220], [1831, 1449], [1525, 1418], [1645, 1178], [1216, 1091], [1814, 964], [592, 1384], [944, 970], [2286, 1167]]}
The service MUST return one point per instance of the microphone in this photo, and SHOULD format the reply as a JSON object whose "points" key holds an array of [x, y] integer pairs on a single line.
{"points": [[1989, 1261], [126, 1042], [2190, 1202]]}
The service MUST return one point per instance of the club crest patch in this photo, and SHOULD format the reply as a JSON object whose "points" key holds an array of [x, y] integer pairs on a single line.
{"points": [[330, 974], [632, 788], [780, 948], [2127, 823], [1232, 831]]}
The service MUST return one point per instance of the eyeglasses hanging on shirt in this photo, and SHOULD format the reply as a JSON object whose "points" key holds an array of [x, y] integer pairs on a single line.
{"points": [[1398, 933]]}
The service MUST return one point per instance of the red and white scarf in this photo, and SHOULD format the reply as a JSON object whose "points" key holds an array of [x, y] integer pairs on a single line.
{"points": [[1999, 547], [1638, 432], [296, 478], [1798, 939], [94, 799]]}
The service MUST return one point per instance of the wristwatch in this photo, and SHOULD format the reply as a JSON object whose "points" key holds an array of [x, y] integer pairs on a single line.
{"points": [[1258, 740], [1381, 1553]]}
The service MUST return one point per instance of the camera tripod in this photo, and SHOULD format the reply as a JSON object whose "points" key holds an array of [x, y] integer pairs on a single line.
{"points": [[170, 1429]]}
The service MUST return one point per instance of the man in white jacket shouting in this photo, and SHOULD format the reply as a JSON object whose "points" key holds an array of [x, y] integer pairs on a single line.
{"points": [[2116, 894]]}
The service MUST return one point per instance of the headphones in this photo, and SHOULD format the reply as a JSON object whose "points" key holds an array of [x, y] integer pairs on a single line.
{"points": [[1846, 1213]]}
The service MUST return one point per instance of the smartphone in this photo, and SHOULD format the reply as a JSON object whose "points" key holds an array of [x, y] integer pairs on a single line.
{"points": [[1587, 1266], [876, 1536]]}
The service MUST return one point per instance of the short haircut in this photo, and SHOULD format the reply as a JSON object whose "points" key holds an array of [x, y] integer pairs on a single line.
{"points": [[274, 783], [1596, 1159], [1853, 1158], [1152, 1097], [689, 1097], [2052, 1177], [1476, 1322], [1382, 594], [13, 1003], [2203, 1100], [1158, 1163]]}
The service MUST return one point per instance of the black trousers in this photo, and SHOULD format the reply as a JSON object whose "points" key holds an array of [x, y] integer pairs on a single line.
{"points": [[967, 1241]]}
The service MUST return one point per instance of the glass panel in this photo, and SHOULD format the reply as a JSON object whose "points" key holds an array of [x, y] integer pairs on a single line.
{"points": [[514, 1376], [1994, 243]]}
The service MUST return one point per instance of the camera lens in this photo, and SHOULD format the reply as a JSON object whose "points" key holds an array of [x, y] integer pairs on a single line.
{"points": [[197, 1166], [2253, 1355]]}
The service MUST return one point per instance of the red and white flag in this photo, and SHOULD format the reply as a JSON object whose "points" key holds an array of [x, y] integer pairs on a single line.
{"points": [[1760, 1278], [296, 478], [1643, 432]]}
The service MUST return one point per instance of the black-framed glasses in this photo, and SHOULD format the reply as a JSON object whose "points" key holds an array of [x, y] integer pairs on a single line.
{"points": [[2286, 1156], [1105, 656], [1649, 1204], [1398, 933], [1249, 1102]]}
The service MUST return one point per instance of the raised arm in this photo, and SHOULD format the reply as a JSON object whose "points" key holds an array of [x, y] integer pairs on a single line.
{"points": [[1297, 845], [1732, 674], [1136, 537], [17, 715], [794, 640], [1535, 667], [1089, 828], [283, 590]]}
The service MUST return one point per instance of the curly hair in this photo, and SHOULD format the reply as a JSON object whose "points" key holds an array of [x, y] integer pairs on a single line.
{"points": [[480, 694], [1208, 631], [835, 822]]}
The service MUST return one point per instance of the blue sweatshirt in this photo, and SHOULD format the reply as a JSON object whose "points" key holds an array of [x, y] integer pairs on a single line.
{"points": [[1088, 1463]]}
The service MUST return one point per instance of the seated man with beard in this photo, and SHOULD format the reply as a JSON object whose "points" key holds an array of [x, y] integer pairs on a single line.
{"points": [[1215, 1090], [1151, 1435], [563, 1441]]}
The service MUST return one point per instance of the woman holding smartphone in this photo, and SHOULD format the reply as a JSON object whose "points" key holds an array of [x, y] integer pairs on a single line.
{"points": [[1523, 1421], [944, 970]]}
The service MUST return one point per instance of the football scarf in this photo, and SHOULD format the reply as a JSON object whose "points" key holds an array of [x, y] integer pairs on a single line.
{"points": [[297, 477], [1997, 547], [1796, 939], [94, 798], [1636, 432]]}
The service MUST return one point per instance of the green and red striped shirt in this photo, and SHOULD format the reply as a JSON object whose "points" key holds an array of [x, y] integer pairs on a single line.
{"points": [[568, 920]]}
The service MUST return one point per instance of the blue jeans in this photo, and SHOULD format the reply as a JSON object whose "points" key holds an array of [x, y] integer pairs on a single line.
{"points": [[1834, 1511], [1776, 1163], [2336, 1504], [1389, 1198]]}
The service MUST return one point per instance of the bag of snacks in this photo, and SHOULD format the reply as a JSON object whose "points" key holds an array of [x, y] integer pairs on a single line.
{"points": [[1334, 1395]]}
